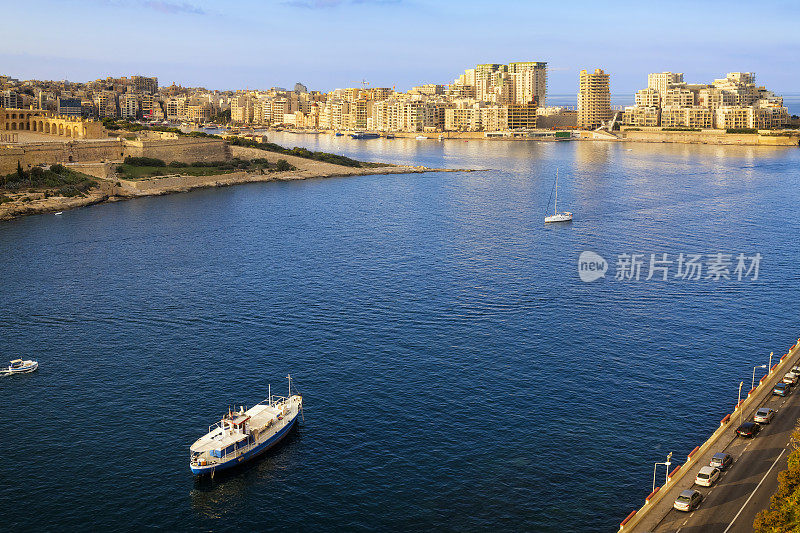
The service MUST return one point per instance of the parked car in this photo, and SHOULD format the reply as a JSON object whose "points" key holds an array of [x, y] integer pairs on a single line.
{"points": [[721, 460], [707, 476], [688, 500], [782, 389], [748, 429], [764, 415], [790, 378]]}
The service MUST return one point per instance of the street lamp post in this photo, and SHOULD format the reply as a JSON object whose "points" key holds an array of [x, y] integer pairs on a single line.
{"points": [[770, 363], [753, 384], [655, 467], [666, 476], [738, 404]]}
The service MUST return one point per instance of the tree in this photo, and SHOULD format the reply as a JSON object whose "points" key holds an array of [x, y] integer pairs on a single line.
{"points": [[281, 165]]}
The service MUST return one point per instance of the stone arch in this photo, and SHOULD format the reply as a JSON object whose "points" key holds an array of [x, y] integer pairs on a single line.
{"points": [[13, 115], [61, 129], [28, 125], [68, 131], [34, 125], [13, 125], [47, 127], [41, 125], [75, 132]]}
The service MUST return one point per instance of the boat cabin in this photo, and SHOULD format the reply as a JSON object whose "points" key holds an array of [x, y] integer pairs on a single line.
{"points": [[235, 422], [17, 363]]}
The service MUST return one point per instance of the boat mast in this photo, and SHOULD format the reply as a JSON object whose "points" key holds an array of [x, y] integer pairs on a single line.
{"points": [[289, 377], [270, 393], [555, 204]]}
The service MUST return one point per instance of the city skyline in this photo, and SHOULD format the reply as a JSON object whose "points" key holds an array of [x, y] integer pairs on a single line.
{"points": [[329, 44]]}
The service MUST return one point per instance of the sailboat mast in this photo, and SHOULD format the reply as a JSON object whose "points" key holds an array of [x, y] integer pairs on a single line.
{"points": [[270, 393], [289, 377], [555, 204]]}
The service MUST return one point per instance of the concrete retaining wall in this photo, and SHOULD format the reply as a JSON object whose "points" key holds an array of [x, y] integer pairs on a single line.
{"points": [[699, 137]]}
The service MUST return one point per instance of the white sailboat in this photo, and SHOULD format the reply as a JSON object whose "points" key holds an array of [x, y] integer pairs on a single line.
{"points": [[566, 216]]}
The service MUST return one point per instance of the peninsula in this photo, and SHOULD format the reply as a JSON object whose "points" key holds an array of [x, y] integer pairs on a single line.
{"points": [[53, 177]]}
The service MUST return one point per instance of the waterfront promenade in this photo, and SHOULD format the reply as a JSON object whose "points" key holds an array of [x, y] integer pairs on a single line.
{"points": [[744, 488]]}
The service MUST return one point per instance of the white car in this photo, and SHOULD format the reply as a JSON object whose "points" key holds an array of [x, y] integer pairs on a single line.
{"points": [[764, 415], [707, 476], [790, 378]]}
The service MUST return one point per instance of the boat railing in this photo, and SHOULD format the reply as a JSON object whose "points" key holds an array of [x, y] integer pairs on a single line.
{"points": [[273, 400]]}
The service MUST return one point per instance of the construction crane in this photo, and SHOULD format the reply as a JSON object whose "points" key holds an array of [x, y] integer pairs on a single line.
{"points": [[364, 83]]}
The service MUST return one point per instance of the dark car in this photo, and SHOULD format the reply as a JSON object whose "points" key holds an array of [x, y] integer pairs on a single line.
{"points": [[748, 429], [782, 389], [721, 460]]}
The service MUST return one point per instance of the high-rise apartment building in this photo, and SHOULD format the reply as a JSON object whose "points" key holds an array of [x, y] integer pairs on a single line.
{"points": [[529, 82], [594, 99], [730, 102], [69, 107], [661, 81], [144, 84]]}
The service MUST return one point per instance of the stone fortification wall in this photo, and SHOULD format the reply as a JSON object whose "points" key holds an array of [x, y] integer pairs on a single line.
{"points": [[185, 150], [48, 153]]}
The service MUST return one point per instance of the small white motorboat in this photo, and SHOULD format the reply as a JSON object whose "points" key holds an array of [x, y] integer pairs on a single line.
{"points": [[59, 213], [18, 366]]}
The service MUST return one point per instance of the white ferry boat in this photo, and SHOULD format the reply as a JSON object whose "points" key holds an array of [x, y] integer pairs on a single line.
{"points": [[245, 434], [18, 366]]}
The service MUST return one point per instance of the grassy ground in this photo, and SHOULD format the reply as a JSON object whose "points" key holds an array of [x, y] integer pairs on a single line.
{"points": [[54, 181], [142, 172], [143, 167]]}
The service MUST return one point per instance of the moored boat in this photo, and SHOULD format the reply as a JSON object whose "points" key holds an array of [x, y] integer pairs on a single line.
{"points": [[243, 435], [364, 135], [18, 366], [566, 216]]}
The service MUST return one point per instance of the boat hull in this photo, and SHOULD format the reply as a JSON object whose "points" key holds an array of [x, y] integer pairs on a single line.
{"points": [[558, 218], [23, 369], [249, 455]]}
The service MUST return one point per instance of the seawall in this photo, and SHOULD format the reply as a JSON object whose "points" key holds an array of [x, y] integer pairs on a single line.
{"points": [[706, 137]]}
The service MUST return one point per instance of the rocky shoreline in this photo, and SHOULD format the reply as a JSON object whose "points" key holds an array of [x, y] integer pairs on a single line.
{"points": [[113, 189]]}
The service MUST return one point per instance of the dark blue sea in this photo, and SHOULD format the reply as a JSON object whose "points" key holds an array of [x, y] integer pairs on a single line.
{"points": [[457, 373]]}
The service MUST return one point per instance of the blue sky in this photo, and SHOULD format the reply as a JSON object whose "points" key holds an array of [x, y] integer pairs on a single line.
{"points": [[331, 43]]}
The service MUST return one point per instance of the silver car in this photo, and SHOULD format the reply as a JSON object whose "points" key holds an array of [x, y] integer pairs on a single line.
{"points": [[764, 415], [688, 500], [721, 460]]}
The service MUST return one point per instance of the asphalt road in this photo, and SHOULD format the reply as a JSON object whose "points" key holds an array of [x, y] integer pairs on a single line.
{"points": [[745, 489]]}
